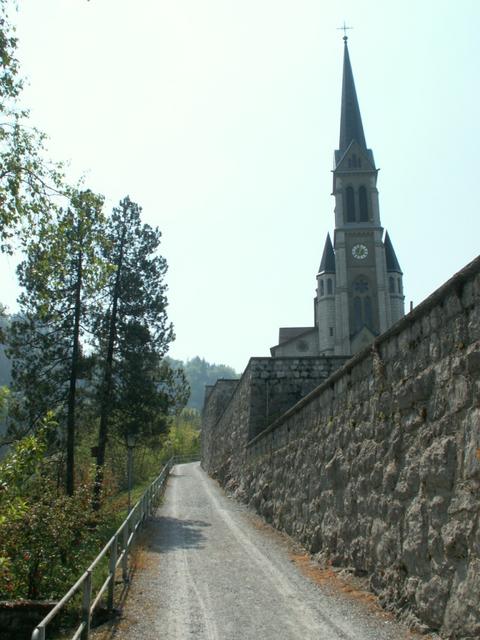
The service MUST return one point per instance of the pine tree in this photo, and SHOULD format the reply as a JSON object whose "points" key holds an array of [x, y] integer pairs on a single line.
{"points": [[135, 317], [62, 276]]}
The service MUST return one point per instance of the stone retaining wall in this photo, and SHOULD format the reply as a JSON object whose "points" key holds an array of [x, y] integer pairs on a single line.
{"points": [[378, 469], [237, 410]]}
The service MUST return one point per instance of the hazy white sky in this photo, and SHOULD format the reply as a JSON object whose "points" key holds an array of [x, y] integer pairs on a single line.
{"points": [[220, 118]]}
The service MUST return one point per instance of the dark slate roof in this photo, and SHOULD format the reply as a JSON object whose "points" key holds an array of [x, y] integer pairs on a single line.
{"points": [[351, 127], [392, 262], [327, 264], [286, 334]]}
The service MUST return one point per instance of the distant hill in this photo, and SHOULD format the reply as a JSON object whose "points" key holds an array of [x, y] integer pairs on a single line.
{"points": [[199, 373]]}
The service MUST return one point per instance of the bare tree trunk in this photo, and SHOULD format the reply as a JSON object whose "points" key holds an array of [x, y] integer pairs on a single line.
{"points": [[70, 478], [106, 398]]}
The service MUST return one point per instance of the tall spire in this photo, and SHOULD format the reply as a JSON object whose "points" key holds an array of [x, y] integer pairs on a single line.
{"points": [[351, 127], [327, 263], [391, 258]]}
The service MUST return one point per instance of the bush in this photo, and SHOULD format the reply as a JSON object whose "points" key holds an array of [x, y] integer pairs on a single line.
{"points": [[47, 538]]}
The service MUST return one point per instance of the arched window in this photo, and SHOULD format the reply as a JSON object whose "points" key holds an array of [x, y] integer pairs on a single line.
{"points": [[391, 285], [363, 204], [350, 197], [322, 289], [399, 285], [367, 307], [360, 285], [363, 314], [329, 286], [357, 313]]}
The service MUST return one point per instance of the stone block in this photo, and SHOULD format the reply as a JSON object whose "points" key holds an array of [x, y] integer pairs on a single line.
{"points": [[461, 618], [438, 466], [458, 393], [473, 361], [471, 453], [431, 599]]}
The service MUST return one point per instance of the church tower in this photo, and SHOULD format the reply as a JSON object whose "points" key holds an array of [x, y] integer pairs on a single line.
{"points": [[359, 282]]}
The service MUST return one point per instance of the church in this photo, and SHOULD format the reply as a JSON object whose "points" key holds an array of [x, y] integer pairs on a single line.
{"points": [[371, 462], [359, 291]]}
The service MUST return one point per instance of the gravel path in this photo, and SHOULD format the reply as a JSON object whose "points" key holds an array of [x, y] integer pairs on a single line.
{"points": [[208, 573]]}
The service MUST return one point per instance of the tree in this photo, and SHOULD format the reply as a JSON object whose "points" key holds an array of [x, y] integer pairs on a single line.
{"points": [[147, 389], [136, 311], [27, 181], [62, 275], [4, 363], [199, 373]]}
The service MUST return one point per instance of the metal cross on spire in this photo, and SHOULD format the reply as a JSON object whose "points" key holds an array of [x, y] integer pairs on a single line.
{"points": [[344, 29]]}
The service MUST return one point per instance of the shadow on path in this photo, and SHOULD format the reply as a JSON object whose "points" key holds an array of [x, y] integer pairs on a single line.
{"points": [[166, 534]]}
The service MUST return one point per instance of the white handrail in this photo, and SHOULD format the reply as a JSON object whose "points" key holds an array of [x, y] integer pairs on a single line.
{"points": [[125, 534]]}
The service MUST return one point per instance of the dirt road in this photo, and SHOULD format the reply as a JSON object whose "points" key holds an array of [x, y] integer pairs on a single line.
{"points": [[208, 573]]}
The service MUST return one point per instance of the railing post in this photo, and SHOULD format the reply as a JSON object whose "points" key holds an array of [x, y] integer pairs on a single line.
{"points": [[137, 518], [86, 600], [38, 633], [125, 552], [111, 570]]}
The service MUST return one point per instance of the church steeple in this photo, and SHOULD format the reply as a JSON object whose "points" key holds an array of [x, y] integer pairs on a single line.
{"points": [[391, 258], [351, 127], [359, 291], [327, 263]]}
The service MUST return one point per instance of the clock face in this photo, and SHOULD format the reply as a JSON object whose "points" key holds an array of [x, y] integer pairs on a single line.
{"points": [[359, 251]]}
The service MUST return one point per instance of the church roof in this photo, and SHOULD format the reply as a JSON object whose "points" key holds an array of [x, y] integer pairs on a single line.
{"points": [[351, 127], [286, 334], [327, 263], [392, 262]]}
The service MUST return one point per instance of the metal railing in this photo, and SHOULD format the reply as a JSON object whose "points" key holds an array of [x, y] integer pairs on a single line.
{"points": [[117, 551], [186, 457]]}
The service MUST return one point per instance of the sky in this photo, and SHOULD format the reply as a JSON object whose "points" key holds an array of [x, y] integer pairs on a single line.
{"points": [[220, 119]]}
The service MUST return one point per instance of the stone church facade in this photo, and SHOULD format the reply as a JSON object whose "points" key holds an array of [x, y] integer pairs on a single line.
{"points": [[359, 282]]}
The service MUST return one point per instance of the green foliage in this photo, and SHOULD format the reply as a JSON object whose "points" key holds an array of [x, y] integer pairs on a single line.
{"points": [[4, 395], [137, 276], [22, 463], [147, 389], [134, 333], [82, 275], [184, 434], [199, 373], [27, 181], [5, 375], [61, 276], [46, 537]]}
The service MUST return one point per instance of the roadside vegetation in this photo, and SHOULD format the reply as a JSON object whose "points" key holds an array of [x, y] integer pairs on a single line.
{"points": [[47, 538], [87, 351]]}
